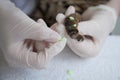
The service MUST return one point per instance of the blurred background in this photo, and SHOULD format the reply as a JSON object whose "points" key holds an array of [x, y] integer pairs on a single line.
{"points": [[48, 9]]}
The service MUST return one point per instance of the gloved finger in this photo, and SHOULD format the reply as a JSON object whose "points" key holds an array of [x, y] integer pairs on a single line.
{"points": [[40, 32], [32, 59], [60, 18], [52, 49], [70, 10], [59, 26], [84, 49], [90, 28], [40, 59], [101, 23], [94, 36], [55, 48], [50, 35], [42, 21], [42, 45], [89, 13]]}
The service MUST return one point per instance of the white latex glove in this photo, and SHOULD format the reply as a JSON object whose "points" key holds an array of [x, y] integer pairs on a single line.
{"points": [[99, 23], [24, 42]]}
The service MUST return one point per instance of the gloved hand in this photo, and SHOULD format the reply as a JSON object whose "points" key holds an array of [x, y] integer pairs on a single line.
{"points": [[24, 42], [98, 22]]}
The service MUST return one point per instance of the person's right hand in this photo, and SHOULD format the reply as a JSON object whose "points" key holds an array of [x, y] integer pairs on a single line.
{"points": [[24, 42]]}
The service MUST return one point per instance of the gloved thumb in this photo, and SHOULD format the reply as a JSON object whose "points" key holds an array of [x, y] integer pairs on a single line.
{"points": [[39, 31]]}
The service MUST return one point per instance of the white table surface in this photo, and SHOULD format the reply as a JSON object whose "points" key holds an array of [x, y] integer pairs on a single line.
{"points": [[105, 66]]}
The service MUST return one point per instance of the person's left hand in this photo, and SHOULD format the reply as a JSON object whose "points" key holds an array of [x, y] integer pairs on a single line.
{"points": [[97, 23]]}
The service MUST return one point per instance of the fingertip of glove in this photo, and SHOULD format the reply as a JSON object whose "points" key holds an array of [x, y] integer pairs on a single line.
{"points": [[41, 21], [60, 17], [70, 10], [54, 38]]}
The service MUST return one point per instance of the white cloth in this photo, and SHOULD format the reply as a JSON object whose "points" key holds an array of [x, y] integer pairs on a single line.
{"points": [[106, 66]]}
